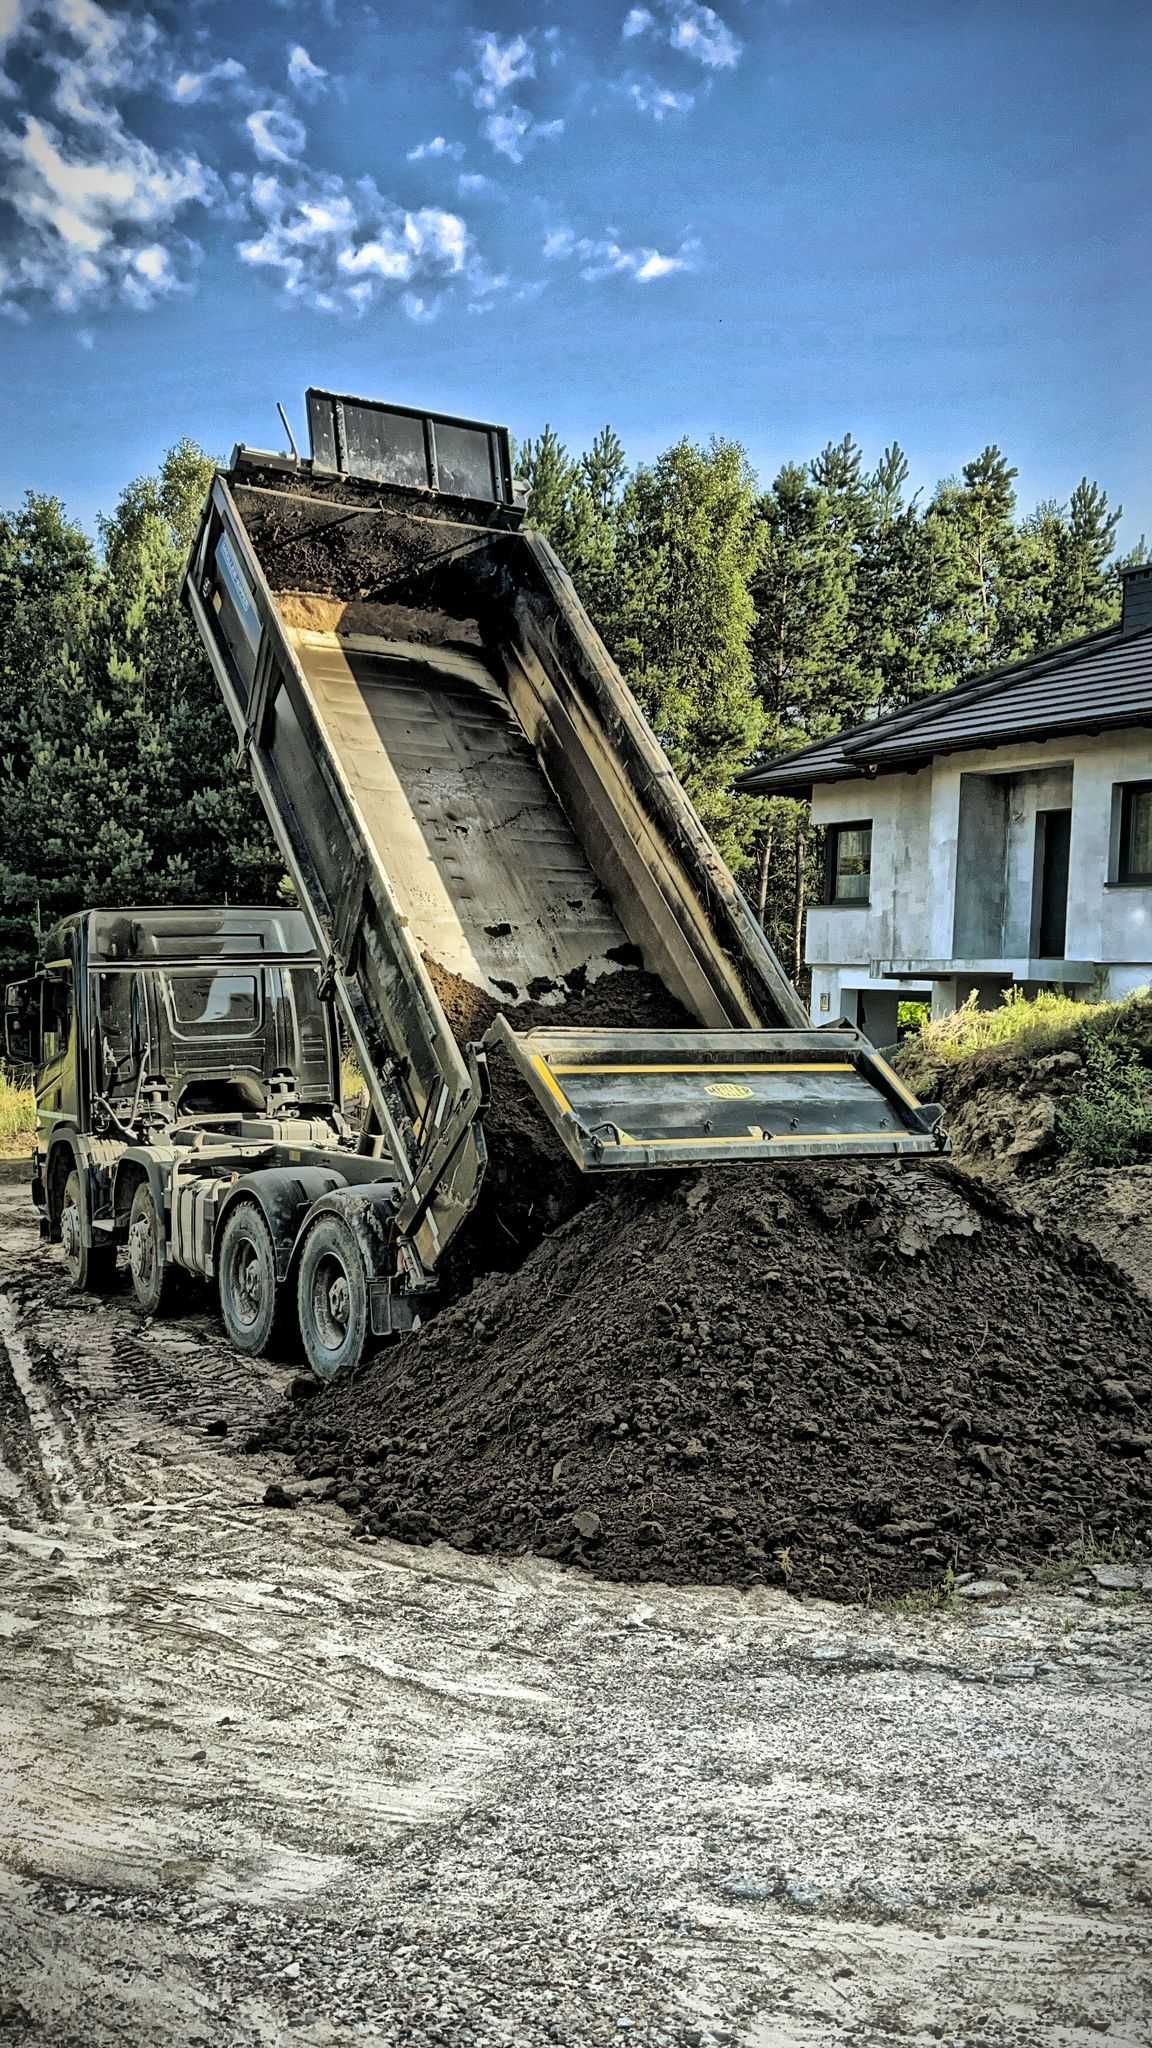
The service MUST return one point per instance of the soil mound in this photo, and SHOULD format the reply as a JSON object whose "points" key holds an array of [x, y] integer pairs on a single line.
{"points": [[839, 1382]]}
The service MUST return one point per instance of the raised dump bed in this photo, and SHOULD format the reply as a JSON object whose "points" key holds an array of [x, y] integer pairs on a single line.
{"points": [[467, 795]]}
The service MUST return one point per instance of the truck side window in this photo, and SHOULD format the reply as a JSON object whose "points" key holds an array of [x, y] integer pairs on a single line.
{"points": [[114, 1002], [56, 1014]]}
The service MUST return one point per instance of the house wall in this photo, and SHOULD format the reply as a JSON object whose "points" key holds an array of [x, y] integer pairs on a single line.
{"points": [[920, 847]]}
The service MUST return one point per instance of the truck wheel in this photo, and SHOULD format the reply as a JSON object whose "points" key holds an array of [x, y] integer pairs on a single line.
{"points": [[91, 1268], [332, 1296], [251, 1303], [154, 1278]]}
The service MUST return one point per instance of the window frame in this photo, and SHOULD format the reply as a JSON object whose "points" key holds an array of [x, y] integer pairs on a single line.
{"points": [[1125, 876], [832, 901]]}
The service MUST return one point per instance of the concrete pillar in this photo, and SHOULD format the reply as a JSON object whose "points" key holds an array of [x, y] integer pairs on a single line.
{"points": [[877, 1015]]}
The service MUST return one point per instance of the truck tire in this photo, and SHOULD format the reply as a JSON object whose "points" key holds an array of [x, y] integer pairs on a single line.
{"points": [[155, 1280], [253, 1306], [332, 1298], [91, 1268]]}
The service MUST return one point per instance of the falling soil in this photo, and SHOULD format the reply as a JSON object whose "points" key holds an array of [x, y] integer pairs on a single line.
{"points": [[844, 1383], [530, 1185]]}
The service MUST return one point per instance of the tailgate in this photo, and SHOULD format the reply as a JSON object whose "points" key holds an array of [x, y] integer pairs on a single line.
{"points": [[623, 1100]]}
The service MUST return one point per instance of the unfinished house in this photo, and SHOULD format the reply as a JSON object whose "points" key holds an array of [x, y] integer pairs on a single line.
{"points": [[996, 835]]}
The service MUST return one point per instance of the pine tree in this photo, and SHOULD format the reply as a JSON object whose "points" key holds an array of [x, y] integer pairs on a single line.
{"points": [[1083, 595], [575, 501], [603, 470], [681, 622], [118, 781], [803, 599]]}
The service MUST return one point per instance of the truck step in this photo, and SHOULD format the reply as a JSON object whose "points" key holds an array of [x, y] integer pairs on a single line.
{"points": [[622, 1101]]}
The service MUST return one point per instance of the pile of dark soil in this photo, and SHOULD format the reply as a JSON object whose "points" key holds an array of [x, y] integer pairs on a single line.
{"points": [[840, 1381]]}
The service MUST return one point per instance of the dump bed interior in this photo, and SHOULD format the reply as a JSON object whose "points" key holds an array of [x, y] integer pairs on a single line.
{"points": [[485, 867], [465, 791]]}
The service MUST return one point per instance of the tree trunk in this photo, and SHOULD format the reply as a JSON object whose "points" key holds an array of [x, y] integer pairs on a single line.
{"points": [[765, 868], [799, 898]]}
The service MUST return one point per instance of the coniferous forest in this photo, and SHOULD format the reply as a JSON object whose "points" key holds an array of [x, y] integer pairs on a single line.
{"points": [[748, 620]]}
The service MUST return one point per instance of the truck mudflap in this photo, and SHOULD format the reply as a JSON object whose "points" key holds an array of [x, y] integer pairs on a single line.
{"points": [[620, 1101]]}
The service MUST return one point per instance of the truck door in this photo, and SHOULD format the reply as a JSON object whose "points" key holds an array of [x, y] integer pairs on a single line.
{"points": [[40, 1035], [58, 1078]]}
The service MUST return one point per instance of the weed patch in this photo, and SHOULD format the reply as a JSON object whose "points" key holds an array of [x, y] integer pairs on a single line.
{"points": [[17, 1116], [1109, 1123]]}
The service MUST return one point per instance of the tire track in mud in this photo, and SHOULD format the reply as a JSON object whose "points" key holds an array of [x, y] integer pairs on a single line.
{"points": [[41, 1432]]}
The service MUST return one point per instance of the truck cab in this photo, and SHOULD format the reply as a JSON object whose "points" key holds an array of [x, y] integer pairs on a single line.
{"points": [[188, 1106]]}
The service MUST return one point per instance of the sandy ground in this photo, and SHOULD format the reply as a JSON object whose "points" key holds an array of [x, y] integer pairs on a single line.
{"points": [[264, 1784]]}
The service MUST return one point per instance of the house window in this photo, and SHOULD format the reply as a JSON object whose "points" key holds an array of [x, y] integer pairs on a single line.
{"points": [[849, 863], [1135, 861]]}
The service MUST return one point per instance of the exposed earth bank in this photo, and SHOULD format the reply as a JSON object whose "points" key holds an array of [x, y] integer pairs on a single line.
{"points": [[845, 1382], [1003, 1106]]}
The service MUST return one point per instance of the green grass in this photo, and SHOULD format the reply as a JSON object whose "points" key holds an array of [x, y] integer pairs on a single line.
{"points": [[17, 1116], [1033, 1024], [1023, 1028]]}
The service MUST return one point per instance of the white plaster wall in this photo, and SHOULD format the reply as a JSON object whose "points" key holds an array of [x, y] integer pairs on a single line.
{"points": [[842, 985], [899, 808], [914, 832]]}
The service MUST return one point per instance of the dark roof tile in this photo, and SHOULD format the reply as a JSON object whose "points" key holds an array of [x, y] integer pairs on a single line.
{"points": [[1104, 680]]}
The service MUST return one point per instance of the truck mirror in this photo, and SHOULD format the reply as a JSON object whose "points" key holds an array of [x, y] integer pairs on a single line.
{"points": [[22, 1034]]}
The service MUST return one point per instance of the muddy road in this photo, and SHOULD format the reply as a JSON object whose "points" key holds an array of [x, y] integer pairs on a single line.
{"points": [[263, 1783]]}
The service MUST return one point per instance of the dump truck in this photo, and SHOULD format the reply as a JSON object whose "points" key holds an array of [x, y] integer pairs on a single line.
{"points": [[467, 797]]}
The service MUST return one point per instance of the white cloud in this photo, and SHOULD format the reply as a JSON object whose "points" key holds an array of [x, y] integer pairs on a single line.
{"points": [[607, 257], [512, 132], [88, 210], [656, 265], [474, 181], [701, 34], [338, 248], [385, 259], [693, 29], [649, 98], [277, 136], [97, 53], [499, 66], [149, 276], [309, 79], [190, 86], [437, 147], [419, 308]]}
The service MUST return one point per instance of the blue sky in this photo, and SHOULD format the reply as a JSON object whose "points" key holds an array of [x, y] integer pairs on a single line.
{"points": [[777, 220]]}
